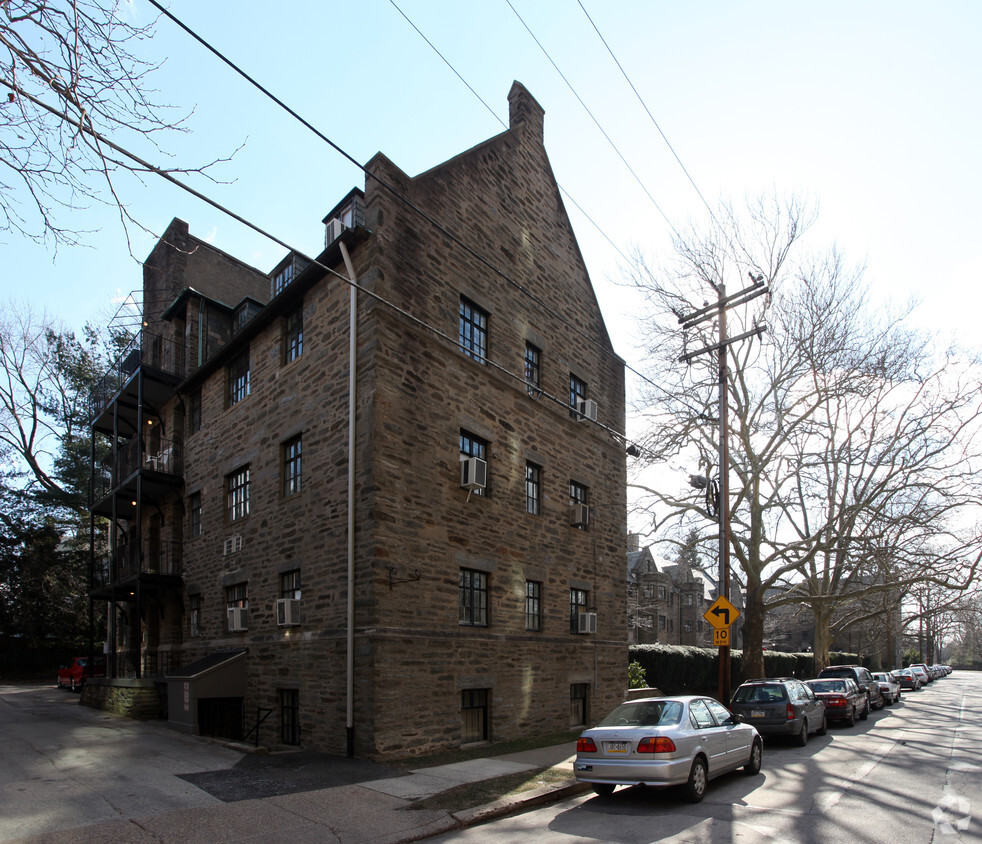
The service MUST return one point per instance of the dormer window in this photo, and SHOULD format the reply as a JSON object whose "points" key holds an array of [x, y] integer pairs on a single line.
{"points": [[287, 272], [245, 312], [347, 214]]}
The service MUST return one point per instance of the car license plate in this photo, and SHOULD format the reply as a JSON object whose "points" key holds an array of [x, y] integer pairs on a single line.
{"points": [[617, 747], [757, 713]]}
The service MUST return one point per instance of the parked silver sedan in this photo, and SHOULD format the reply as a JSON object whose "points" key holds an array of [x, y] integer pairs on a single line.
{"points": [[666, 741]]}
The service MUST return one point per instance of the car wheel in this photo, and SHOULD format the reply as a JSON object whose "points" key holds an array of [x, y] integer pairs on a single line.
{"points": [[824, 728], [851, 720], [752, 768], [865, 713], [695, 787], [802, 738], [71, 685], [603, 789]]}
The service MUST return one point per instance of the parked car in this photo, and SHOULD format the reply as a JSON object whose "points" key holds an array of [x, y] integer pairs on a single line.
{"points": [[781, 706], [862, 676], [74, 675], [920, 669], [889, 687], [843, 699], [664, 741], [908, 679]]}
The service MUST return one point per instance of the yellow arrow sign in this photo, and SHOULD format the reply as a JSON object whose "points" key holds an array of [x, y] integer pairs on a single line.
{"points": [[721, 614]]}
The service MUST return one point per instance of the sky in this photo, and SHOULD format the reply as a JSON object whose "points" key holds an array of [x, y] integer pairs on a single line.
{"points": [[870, 110]]}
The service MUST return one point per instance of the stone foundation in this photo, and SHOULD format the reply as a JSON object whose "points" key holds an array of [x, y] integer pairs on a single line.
{"points": [[139, 699]]}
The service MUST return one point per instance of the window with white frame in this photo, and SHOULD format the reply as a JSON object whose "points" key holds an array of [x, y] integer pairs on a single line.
{"points": [[533, 605], [237, 494], [194, 513], [238, 378], [290, 584], [577, 393], [578, 494], [473, 330], [237, 595], [473, 598], [473, 446], [293, 335], [533, 366], [292, 465], [194, 615], [533, 488], [577, 605]]}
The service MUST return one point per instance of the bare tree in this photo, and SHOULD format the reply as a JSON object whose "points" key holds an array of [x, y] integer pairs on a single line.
{"points": [[850, 443], [72, 71]]}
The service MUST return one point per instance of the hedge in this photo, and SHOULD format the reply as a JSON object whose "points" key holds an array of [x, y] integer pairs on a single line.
{"points": [[683, 669]]}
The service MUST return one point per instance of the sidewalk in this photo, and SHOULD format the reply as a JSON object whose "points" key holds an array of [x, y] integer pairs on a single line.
{"points": [[374, 810]]}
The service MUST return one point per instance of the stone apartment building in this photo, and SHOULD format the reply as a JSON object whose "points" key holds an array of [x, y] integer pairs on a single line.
{"points": [[666, 602], [448, 569]]}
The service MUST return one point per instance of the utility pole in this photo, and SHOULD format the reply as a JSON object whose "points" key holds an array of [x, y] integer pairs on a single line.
{"points": [[718, 311]]}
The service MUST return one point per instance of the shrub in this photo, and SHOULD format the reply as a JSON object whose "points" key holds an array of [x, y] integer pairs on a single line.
{"points": [[636, 676]]}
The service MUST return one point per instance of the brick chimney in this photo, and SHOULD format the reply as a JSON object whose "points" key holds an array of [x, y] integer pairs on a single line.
{"points": [[524, 111]]}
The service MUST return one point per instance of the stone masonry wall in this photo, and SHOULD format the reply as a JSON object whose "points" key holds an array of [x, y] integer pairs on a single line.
{"points": [[417, 392]]}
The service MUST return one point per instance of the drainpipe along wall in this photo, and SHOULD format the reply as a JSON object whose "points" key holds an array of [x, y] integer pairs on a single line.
{"points": [[352, 395]]}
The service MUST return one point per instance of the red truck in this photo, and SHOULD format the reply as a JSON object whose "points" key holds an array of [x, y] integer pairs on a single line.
{"points": [[74, 675]]}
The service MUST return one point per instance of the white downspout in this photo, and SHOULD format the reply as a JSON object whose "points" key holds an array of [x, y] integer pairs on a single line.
{"points": [[352, 396]]}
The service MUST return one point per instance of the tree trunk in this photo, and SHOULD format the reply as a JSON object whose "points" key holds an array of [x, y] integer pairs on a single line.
{"points": [[753, 632], [823, 638]]}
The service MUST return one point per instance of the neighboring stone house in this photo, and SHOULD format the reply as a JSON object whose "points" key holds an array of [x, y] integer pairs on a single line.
{"points": [[666, 602], [470, 589]]}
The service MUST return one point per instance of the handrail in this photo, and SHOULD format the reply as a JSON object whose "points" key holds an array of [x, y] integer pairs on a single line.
{"points": [[259, 721], [145, 349]]}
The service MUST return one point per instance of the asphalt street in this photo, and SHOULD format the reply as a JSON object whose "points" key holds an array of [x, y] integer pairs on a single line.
{"points": [[911, 773]]}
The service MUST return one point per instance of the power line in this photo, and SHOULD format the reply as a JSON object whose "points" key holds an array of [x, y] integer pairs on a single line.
{"points": [[494, 114], [644, 105], [395, 192], [446, 61], [164, 174], [596, 122]]}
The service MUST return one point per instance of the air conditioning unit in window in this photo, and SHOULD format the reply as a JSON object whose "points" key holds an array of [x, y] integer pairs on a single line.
{"points": [[238, 619], [579, 515], [587, 409], [587, 622], [473, 473], [232, 545], [333, 231], [288, 612]]}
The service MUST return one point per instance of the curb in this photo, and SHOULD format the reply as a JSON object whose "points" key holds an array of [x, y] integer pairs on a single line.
{"points": [[526, 800]]}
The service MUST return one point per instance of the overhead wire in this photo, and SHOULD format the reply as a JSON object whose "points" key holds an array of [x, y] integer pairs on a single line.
{"points": [[393, 191], [504, 125], [603, 131], [644, 105], [147, 166], [385, 185]]}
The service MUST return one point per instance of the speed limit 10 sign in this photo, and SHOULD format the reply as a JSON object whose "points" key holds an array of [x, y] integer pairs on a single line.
{"points": [[721, 637]]}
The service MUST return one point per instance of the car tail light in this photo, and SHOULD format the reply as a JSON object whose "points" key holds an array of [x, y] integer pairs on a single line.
{"points": [[791, 712], [656, 744], [585, 745], [835, 701]]}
